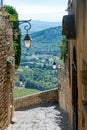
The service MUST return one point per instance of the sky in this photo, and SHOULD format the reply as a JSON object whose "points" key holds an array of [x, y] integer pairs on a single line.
{"points": [[43, 10]]}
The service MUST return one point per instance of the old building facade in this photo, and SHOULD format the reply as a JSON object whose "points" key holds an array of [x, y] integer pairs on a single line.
{"points": [[73, 94]]}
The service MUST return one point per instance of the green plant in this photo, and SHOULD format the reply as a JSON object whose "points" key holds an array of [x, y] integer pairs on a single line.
{"points": [[16, 33], [64, 48], [20, 92]]}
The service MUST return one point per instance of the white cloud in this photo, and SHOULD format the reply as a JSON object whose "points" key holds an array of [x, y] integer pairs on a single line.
{"points": [[39, 9], [41, 12], [46, 13]]}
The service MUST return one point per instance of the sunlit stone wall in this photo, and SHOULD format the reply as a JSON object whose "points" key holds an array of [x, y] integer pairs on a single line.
{"points": [[6, 71], [36, 99]]}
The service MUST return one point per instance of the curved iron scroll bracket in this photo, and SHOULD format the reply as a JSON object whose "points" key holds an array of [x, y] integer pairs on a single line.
{"points": [[26, 27]]}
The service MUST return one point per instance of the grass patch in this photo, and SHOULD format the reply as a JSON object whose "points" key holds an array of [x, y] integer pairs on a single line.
{"points": [[20, 92]]}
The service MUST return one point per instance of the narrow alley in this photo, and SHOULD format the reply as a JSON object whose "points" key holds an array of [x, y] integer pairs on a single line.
{"points": [[43, 117]]}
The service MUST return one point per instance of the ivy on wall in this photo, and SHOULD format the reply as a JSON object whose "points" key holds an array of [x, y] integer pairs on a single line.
{"points": [[16, 33], [64, 48]]}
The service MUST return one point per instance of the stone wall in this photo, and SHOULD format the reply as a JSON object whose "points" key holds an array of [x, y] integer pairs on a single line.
{"points": [[35, 99], [82, 62], [80, 12], [73, 93], [6, 72], [65, 92]]}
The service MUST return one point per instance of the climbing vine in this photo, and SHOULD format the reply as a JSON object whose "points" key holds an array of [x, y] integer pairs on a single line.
{"points": [[64, 48], [16, 33]]}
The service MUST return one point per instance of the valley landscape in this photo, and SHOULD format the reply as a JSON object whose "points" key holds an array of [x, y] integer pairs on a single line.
{"points": [[35, 71]]}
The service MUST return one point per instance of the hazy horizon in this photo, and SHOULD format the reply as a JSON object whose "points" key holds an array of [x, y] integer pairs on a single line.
{"points": [[47, 10]]}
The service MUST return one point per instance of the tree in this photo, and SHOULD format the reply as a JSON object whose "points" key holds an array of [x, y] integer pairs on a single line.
{"points": [[16, 33], [64, 48]]}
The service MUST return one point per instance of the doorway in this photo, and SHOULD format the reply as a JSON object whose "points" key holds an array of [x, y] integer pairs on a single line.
{"points": [[74, 91]]}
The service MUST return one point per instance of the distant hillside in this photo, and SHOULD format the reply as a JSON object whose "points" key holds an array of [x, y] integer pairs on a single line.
{"points": [[50, 35], [40, 25], [36, 70], [45, 41]]}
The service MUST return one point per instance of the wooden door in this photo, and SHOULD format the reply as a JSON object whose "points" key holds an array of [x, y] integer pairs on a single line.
{"points": [[74, 91]]}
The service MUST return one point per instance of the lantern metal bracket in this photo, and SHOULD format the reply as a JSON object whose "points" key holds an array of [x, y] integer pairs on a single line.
{"points": [[26, 27]]}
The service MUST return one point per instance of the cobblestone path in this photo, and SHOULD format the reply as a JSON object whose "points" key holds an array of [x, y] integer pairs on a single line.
{"points": [[44, 117]]}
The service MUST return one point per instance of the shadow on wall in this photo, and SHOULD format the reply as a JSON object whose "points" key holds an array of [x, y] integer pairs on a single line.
{"points": [[62, 119]]}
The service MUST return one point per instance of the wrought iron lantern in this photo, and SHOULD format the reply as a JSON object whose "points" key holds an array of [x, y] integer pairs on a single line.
{"points": [[54, 62], [27, 39], [54, 65]]}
